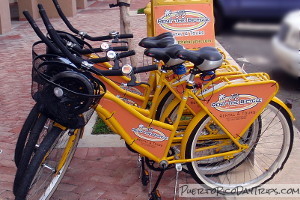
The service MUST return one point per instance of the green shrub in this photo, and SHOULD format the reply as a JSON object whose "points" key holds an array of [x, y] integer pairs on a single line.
{"points": [[141, 11], [101, 128]]}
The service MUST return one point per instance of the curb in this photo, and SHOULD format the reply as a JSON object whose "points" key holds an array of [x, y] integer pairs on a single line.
{"points": [[103, 140]]}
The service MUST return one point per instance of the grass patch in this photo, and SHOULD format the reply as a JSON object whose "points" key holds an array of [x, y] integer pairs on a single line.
{"points": [[141, 11], [101, 128]]}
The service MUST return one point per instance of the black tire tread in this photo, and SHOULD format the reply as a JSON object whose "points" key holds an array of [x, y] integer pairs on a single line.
{"points": [[28, 150], [36, 162], [27, 126]]}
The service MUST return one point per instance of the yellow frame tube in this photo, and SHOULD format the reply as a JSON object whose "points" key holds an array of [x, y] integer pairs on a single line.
{"points": [[125, 136], [67, 150]]}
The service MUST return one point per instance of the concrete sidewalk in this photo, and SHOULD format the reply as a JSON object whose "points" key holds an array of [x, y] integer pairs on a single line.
{"points": [[98, 171]]}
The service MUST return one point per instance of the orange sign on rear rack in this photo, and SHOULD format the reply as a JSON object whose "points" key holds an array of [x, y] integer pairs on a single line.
{"points": [[191, 23]]}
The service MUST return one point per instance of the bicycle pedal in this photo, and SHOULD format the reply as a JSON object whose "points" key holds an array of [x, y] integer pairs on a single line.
{"points": [[145, 178], [169, 120], [155, 195]]}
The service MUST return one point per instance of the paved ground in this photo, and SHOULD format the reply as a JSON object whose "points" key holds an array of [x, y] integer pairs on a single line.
{"points": [[96, 173]]}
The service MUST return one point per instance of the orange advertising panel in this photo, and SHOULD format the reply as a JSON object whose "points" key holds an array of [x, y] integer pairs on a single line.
{"points": [[191, 24], [126, 98], [152, 138], [237, 107]]}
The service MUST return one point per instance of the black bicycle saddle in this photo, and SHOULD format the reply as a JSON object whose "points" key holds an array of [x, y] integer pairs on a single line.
{"points": [[160, 41], [167, 54], [206, 58]]}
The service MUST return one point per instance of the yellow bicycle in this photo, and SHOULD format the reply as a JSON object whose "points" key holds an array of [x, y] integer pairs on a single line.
{"points": [[240, 135]]}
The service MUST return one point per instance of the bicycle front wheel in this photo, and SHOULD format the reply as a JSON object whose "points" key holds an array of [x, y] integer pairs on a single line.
{"points": [[48, 165], [36, 135], [27, 127], [266, 156]]}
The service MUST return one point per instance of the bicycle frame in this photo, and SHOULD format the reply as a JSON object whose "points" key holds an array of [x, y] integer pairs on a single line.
{"points": [[166, 82]]}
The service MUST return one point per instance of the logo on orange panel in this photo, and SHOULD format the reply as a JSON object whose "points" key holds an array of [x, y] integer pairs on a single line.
{"points": [[183, 20], [236, 102], [131, 89], [128, 101], [149, 134]]}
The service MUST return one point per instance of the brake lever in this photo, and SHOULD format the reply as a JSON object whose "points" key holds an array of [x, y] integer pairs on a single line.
{"points": [[137, 84], [133, 82], [119, 41], [116, 65]]}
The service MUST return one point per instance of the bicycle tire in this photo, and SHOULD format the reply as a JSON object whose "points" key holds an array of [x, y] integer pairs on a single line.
{"points": [[163, 104], [28, 150], [26, 128], [275, 121], [50, 153], [172, 114], [250, 136], [221, 165]]}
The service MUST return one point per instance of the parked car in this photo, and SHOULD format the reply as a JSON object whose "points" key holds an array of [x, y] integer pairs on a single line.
{"points": [[227, 12], [286, 44]]}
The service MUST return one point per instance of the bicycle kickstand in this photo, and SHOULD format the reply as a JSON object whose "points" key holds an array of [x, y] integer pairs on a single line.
{"points": [[144, 176], [178, 167], [155, 195]]}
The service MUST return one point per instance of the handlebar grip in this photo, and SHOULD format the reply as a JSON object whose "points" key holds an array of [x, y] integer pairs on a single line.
{"points": [[120, 48], [126, 54], [55, 37], [107, 37], [88, 51], [106, 72], [39, 32], [99, 60], [124, 36], [63, 17], [145, 69], [69, 25]]}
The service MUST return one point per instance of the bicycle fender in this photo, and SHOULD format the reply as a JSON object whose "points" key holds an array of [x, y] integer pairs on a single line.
{"points": [[200, 115], [283, 105]]}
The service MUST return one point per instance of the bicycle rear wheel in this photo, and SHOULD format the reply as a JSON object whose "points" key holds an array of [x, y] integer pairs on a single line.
{"points": [[220, 164], [267, 156], [48, 165]]}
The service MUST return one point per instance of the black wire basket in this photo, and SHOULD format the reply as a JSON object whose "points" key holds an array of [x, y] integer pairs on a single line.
{"points": [[66, 94]]}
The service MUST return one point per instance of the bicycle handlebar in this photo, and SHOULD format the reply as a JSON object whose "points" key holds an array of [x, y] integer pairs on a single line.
{"points": [[55, 49], [81, 63], [120, 55], [148, 68], [55, 37], [83, 34], [136, 70], [94, 50], [77, 49], [120, 48], [39, 33]]}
